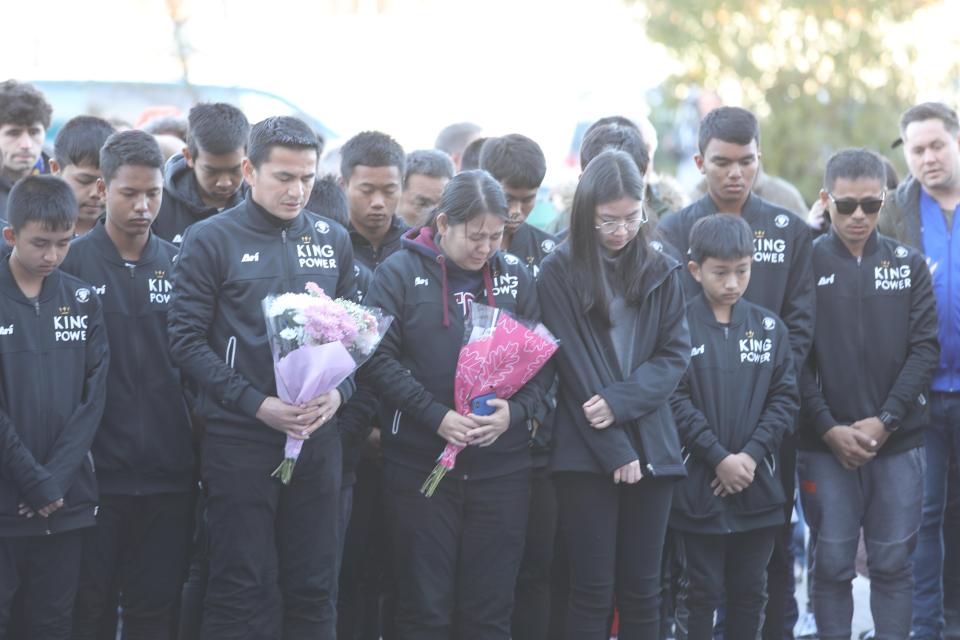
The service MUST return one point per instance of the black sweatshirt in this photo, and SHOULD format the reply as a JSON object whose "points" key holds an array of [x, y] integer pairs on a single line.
{"points": [[227, 265], [587, 364], [781, 277], [875, 347], [364, 252], [738, 395], [53, 383], [413, 371], [182, 205], [144, 445]]}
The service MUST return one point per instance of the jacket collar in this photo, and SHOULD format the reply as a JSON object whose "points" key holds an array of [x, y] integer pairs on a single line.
{"points": [[701, 306], [397, 229], [9, 286], [836, 246], [104, 244], [263, 220]]}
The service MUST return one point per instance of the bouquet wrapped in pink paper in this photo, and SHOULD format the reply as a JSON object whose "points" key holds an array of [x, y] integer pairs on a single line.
{"points": [[317, 342], [499, 355]]}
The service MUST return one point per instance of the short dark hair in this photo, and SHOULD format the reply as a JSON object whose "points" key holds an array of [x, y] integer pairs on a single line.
{"points": [[175, 126], [730, 124], [454, 137], [79, 141], [46, 200], [217, 128], [470, 158], [470, 194], [852, 164], [615, 136], [370, 149], [928, 111], [514, 160], [720, 236], [428, 162], [129, 148], [279, 131], [328, 199], [23, 104]]}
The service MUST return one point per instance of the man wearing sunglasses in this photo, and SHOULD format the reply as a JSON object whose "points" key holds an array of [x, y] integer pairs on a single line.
{"points": [[922, 214], [865, 403]]}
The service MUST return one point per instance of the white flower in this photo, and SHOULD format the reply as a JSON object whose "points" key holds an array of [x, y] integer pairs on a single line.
{"points": [[289, 334], [290, 302]]}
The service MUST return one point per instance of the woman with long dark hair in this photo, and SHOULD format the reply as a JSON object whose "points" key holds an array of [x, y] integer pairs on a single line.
{"points": [[457, 553], [616, 304]]}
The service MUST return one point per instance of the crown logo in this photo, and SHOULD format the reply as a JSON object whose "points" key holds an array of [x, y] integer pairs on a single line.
{"points": [[529, 259], [884, 263], [64, 311], [306, 239], [159, 274], [759, 233], [749, 333]]}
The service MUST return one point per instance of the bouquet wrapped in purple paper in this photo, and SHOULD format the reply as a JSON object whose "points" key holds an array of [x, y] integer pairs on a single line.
{"points": [[317, 342]]}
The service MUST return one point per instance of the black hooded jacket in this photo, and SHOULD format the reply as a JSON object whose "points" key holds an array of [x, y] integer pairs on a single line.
{"points": [[738, 395], [414, 369], [144, 445], [182, 205], [53, 383], [587, 364], [875, 347], [227, 265]]}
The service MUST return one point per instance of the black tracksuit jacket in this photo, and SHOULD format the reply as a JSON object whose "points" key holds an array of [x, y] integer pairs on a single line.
{"points": [[144, 445], [739, 394], [413, 371], [587, 364], [875, 347], [53, 383], [227, 265], [531, 245], [181, 205], [781, 277]]}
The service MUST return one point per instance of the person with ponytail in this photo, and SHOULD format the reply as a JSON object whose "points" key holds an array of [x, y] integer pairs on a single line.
{"points": [[616, 305], [457, 553]]}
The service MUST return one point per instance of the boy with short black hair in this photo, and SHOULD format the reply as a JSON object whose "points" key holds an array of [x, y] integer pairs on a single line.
{"points": [[76, 159], [144, 449], [734, 404], [53, 368], [24, 119], [205, 177]]}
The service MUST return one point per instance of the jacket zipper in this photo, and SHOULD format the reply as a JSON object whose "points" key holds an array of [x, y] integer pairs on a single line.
{"points": [[950, 320], [137, 358], [288, 284], [41, 356], [861, 362]]}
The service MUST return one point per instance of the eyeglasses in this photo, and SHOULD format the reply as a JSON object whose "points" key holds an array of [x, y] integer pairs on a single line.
{"points": [[847, 206], [610, 228]]}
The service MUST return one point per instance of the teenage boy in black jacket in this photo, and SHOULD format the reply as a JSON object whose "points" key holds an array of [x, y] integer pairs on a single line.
{"points": [[781, 280], [864, 393], [734, 404], [76, 159], [53, 371], [273, 547], [143, 449], [205, 177]]}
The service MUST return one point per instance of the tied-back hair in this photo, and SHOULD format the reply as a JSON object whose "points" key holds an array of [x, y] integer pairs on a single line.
{"points": [[609, 177], [470, 194]]}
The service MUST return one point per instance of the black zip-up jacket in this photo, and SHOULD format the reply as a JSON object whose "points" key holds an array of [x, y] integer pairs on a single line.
{"points": [[413, 371], [182, 205], [587, 365], [875, 347], [739, 394], [227, 265], [781, 278], [531, 245], [365, 254], [144, 445], [53, 383]]}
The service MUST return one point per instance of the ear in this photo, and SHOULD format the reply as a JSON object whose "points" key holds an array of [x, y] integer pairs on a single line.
{"points": [[442, 223], [55, 167], [186, 156], [9, 235], [101, 188], [694, 269], [824, 197], [698, 160], [248, 170]]}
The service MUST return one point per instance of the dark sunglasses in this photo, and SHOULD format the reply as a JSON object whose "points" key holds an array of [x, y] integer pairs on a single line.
{"points": [[846, 207]]}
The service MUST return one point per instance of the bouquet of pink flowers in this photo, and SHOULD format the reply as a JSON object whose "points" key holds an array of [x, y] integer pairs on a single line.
{"points": [[317, 342]]}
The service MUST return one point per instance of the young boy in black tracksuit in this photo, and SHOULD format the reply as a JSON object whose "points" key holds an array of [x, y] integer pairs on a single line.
{"points": [[76, 159], [205, 178], [53, 369], [732, 407], [281, 572], [143, 450]]}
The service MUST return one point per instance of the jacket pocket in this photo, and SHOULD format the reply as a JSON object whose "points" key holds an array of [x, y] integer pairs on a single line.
{"points": [[765, 492], [693, 496]]}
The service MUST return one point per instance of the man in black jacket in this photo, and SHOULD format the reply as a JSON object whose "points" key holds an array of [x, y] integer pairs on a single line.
{"points": [[24, 119], [76, 159], [865, 403], [53, 370], [205, 178], [781, 280], [143, 449], [273, 547]]}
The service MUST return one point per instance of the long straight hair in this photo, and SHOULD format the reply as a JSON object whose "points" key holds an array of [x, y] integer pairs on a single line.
{"points": [[610, 176]]}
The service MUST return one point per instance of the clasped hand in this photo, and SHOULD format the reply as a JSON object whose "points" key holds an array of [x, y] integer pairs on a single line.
{"points": [[481, 431]]}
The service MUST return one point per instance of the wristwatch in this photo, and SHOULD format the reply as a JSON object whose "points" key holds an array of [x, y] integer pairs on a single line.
{"points": [[890, 423]]}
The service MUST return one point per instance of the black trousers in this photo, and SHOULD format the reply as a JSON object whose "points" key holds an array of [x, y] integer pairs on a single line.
{"points": [[532, 601], [614, 536], [729, 569], [780, 568], [272, 547], [47, 568], [456, 554]]}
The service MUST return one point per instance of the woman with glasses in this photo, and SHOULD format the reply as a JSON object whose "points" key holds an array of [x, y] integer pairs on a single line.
{"points": [[616, 304]]}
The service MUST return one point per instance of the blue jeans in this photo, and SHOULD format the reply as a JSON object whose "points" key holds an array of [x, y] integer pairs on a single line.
{"points": [[942, 443], [884, 497]]}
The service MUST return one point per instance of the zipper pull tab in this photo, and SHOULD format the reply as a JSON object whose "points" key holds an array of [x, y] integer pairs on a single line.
{"points": [[132, 270], [36, 307], [283, 236]]}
